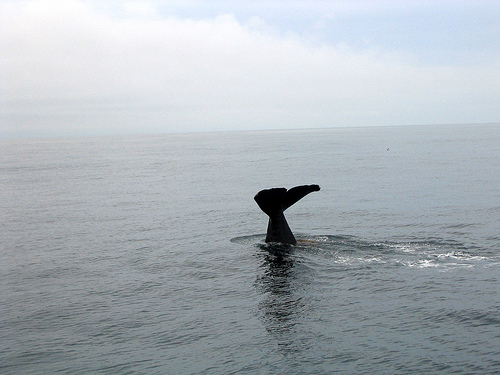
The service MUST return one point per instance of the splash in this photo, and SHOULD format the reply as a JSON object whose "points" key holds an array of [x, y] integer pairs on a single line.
{"points": [[351, 251]]}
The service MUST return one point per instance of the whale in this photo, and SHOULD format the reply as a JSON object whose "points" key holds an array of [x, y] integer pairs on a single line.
{"points": [[274, 202]]}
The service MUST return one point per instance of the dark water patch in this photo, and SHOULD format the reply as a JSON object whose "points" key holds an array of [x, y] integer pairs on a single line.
{"points": [[475, 318]]}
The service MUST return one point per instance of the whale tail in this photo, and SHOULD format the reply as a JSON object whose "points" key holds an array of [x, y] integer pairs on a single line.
{"points": [[274, 202]]}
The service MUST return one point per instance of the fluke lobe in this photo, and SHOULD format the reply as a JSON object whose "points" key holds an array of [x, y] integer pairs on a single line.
{"points": [[274, 202]]}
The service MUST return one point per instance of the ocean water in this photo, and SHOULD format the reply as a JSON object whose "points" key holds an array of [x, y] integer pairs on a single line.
{"points": [[146, 254]]}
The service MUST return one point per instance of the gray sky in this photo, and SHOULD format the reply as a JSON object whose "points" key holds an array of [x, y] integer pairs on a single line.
{"points": [[76, 67]]}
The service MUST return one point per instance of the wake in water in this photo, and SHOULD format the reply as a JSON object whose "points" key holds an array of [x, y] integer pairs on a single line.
{"points": [[350, 251]]}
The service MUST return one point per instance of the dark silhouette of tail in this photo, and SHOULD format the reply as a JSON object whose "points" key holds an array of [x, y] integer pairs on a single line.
{"points": [[274, 202]]}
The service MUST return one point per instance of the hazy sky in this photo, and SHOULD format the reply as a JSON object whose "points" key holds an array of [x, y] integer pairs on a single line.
{"points": [[76, 67]]}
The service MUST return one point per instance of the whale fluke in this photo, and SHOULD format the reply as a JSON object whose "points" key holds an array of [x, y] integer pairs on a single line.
{"points": [[274, 202]]}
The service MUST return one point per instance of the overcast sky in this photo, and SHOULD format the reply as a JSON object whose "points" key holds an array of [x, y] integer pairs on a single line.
{"points": [[77, 67]]}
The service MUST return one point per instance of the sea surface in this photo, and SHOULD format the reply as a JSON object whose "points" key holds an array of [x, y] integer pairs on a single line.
{"points": [[146, 254]]}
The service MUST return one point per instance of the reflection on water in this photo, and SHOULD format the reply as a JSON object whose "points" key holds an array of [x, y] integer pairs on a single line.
{"points": [[283, 307], [289, 278]]}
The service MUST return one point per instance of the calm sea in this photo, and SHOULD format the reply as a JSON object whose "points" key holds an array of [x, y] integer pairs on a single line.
{"points": [[146, 254]]}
